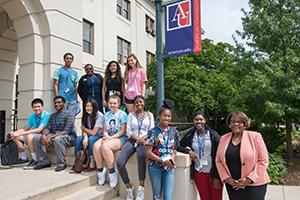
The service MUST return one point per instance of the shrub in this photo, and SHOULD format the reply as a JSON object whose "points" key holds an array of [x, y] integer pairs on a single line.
{"points": [[277, 168], [273, 137]]}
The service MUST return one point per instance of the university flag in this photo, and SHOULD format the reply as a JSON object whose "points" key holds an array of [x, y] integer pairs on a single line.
{"points": [[183, 27]]}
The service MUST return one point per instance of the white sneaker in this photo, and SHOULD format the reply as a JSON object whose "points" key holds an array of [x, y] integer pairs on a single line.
{"points": [[140, 193], [101, 176], [129, 193], [113, 179]]}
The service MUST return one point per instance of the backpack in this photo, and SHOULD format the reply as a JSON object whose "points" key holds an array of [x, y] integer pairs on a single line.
{"points": [[80, 160], [9, 153]]}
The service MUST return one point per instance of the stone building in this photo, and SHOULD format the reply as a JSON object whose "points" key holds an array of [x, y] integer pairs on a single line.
{"points": [[35, 34]]}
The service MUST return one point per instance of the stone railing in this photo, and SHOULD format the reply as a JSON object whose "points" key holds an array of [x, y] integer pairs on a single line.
{"points": [[184, 188]]}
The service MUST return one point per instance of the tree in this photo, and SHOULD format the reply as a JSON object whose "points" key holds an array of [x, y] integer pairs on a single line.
{"points": [[197, 82], [272, 28]]}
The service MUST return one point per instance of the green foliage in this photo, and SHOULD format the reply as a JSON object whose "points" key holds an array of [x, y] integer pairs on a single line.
{"points": [[198, 82], [273, 137], [277, 168], [273, 31]]}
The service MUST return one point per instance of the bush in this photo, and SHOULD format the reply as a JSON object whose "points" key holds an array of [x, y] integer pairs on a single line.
{"points": [[277, 168], [274, 138]]}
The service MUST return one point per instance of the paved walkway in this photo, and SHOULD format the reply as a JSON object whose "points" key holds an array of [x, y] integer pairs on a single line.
{"points": [[17, 183]]}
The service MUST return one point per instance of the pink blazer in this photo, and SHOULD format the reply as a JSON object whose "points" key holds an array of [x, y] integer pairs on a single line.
{"points": [[254, 158]]}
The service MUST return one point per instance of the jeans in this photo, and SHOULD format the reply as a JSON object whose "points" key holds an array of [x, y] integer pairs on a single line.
{"points": [[126, 153], [73, 106], [162, 182], [60, 143], [91, 140]]}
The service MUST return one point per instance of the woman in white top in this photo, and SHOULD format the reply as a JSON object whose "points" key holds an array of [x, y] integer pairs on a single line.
{"points": [[138, 125]]}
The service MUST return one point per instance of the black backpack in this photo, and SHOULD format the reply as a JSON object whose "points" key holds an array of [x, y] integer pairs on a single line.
{"points": [[9, 153]]}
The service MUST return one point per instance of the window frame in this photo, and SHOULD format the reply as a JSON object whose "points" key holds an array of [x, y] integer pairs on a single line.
{"points": [[90, 43], [150, 55], [124, 10], [149, 25], [123, 46]]}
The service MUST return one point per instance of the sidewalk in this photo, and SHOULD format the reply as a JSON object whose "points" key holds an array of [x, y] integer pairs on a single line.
{"points": [[17, 183]]}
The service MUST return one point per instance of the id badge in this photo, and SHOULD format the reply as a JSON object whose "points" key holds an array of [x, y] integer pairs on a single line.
{"points": [[67, 90], [130, 89], [203, 162], [166, 157]]}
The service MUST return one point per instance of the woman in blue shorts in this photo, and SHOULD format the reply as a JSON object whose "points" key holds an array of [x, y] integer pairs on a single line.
{"points": [[114, 138]]}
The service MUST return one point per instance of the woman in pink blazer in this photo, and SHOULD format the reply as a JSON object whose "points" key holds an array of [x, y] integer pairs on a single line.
{"points": [[242, 160]]}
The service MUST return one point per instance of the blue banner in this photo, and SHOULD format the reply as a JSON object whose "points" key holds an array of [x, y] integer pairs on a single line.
{"points": [[183, 27]]}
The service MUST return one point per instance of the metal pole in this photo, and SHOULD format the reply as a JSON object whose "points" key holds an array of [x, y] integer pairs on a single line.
{"points": [[159, 60]]}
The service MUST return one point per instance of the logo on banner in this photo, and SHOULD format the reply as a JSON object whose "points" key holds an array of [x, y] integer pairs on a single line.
{"points": [[179, 15]]}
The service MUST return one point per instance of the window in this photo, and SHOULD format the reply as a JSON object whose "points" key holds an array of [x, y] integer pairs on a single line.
{"points": [[149, 57], [123, 50], [150, 26], [88, 34], [123, 8]]}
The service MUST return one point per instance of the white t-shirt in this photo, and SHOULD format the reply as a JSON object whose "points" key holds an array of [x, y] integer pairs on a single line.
{"points": [[139, 127]]}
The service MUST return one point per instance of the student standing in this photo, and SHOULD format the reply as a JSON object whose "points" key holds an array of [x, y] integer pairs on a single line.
{"points": [[201, 144], [135, 79], [65, 84], [90, 86], [113, 83], [161, 145]]}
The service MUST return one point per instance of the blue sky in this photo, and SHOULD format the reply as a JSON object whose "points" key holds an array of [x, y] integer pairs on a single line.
{"points": [[221, 18]]}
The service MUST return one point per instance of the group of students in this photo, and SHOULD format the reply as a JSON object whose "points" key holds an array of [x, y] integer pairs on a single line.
{"points": [[239, 159]]}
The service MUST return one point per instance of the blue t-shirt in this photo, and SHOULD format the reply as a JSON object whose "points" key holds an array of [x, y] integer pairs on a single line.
{"points": [[34, 121], [66, 79], [114, 121], [163, 143]]}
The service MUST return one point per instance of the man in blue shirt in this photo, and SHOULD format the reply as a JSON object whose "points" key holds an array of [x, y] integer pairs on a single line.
{"points": [[35, 124], [66, 83]]}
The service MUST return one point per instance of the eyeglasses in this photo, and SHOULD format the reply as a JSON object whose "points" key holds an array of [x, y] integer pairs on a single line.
{"points": [[236, 122], [89, 69]]}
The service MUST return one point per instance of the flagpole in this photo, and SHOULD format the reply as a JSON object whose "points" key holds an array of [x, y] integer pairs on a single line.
{"points": [[159, 59]]}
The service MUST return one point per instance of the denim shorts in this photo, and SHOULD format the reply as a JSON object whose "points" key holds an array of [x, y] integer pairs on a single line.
{"points": [[123, 139]]}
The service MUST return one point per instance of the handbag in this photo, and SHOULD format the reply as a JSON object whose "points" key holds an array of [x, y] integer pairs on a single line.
{"points": [[80, 159], [9, 153]]}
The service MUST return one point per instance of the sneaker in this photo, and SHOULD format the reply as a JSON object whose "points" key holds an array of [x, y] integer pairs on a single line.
{"points": [[30, 165], [101, 176], [129, 193], [42, 165], [21, 161], [140, 193], [60, 167], [113, 179]]}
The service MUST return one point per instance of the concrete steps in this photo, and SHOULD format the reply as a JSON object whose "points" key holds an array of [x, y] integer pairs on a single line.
{"points": [[66, 187], [46, 184], [95, 192], [70, 157], [118, 198]]}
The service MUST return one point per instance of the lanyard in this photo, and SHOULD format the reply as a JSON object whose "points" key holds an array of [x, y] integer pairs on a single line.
{"points": [[201, 143], [166, 138], [140, 122]]}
